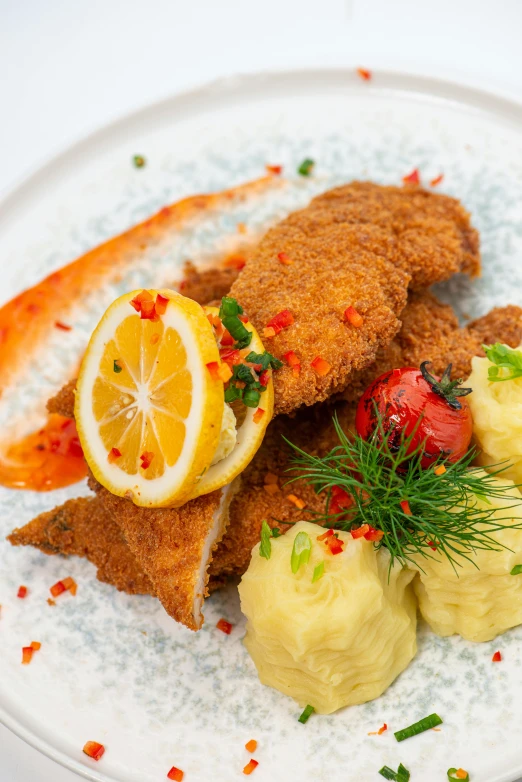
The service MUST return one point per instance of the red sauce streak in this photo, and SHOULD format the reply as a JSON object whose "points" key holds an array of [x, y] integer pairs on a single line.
{"points": [[47, 459]]}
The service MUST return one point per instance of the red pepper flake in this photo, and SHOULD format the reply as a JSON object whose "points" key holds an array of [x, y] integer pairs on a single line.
{"points": [[353, 317], [264, 378], [154, 339], [340, 500], [36, 646], [114, 454], [27, 655], [176, 774], [22, 592], [258, 415], [224, 373], [274, 169], [382, 729], [235, 262], [57, 588], [293, 361], [279, 322], [296, 501], [364, 73], [213, 368], [326, 535], [161, 304], [405, 505], [146, 458], [250, 766], [438, 179], [413, 178], [227, 339], [224, 626], [374, 535], [320, 366], [432, 545], [94, 750], [62, 326], [497, 657], [360, 532], [440, 470], [137, 301], [251, 745], [335, 545], [284, 259]]}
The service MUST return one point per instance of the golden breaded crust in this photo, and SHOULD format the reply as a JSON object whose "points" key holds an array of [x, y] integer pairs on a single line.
{"points": [[63, 402], [360, 245], [206, 285]]}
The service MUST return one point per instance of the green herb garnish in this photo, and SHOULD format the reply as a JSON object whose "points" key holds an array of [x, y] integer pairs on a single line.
{"points": [[276, 532], [309, 710], [508, 362], [251, 397], [426, 723], [452, 775], [318, 572], [517, 570], [229, 307], [117, 367], [265, 548], [444, 508], [241, 335], [233, 393], [401, 775], [266, 360], [301, 551], [139, 161], [305, 169]]}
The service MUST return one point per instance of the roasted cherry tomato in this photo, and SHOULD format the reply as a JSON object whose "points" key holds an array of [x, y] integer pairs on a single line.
{"points": [[408, 398]]}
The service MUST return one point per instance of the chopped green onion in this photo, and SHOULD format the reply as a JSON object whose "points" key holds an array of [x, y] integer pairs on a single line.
{"points": [[229, 307], [517, 570], [265, 548], [243, 373], [139, 161], [452, 775], [301, 551], [401, 775], [309, 710], [305, 169], [241, 334], [508, 362], [388, 773], [251, 397], [266, 360], [276, 532], [318, 572], [233, 393], [117, 367], [426, 723]]}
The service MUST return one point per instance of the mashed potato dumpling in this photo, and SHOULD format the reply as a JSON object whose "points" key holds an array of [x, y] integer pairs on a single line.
{"points": [[497, 418], [480, 600], [336, 642]]}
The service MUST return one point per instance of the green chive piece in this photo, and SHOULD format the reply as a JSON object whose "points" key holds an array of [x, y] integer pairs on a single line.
{"points": [[251, 397], [318, 572], [237, 329], [452, 775], [517, 570], [139, 161], [305, 169], [309, 710], [388, 773], [276, 532], [266, 360], [117, 367], [265, 548], [301, 551], [426, 723], [243, 373], [229, 307], [508, 362], [401, 775], [233, 393]]}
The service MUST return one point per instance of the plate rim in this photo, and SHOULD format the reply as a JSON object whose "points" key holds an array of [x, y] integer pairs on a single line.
{"points": [[447, 91]]}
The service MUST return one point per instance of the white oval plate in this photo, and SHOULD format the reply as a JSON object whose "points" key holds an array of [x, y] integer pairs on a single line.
{"points": [[116, 669]]}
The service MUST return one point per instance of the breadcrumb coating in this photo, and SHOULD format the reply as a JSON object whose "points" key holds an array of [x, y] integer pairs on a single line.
{"points": [[360, 245]]}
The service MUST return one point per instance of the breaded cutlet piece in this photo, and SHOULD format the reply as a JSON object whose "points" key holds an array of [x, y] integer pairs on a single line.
{"points": [[206, 285], [63, 402], [360, 245]]}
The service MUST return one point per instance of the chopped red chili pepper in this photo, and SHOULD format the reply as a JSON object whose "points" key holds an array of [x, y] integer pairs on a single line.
{"points": [[274, 169], [437, 180], [258, 415], [22, 592], [335, 545], [382, 729], [326, 535], [340, 500], [94, 750], [280, 321], [57, 589], [36, 646], [27, 655], [146, 458], [232, 357], [224, 372], [353, 317], [70, 585], [293, 361], [440, 470], [432, 545], [227, 339], [271, 477], [264, 378], [405, 505], [251, 745], [176, 774], [364, 73], [62, 326], [320, 366], [374, 535], [62, 586], [361, 531], [224, 626], [284, 259], [243, 318], [250, 766], [235, 262], [413, 178], [268, 332], [148, 310], [114, 454], [213, 368], [497, 657], [138, 300], [161, 304], [296, 501]]}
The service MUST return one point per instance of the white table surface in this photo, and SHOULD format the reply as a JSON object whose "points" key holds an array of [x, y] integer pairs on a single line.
{"points": [[70, 66]]}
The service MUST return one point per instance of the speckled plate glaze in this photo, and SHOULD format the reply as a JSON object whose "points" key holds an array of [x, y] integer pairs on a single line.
{"points": [[116, 669]]}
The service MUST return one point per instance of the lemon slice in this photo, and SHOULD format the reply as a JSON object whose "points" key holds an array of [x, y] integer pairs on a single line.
{"points": [[148, 410], [251, 428]]}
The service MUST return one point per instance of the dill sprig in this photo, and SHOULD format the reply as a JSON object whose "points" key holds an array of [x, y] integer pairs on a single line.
{"points": [[419, 510]]}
